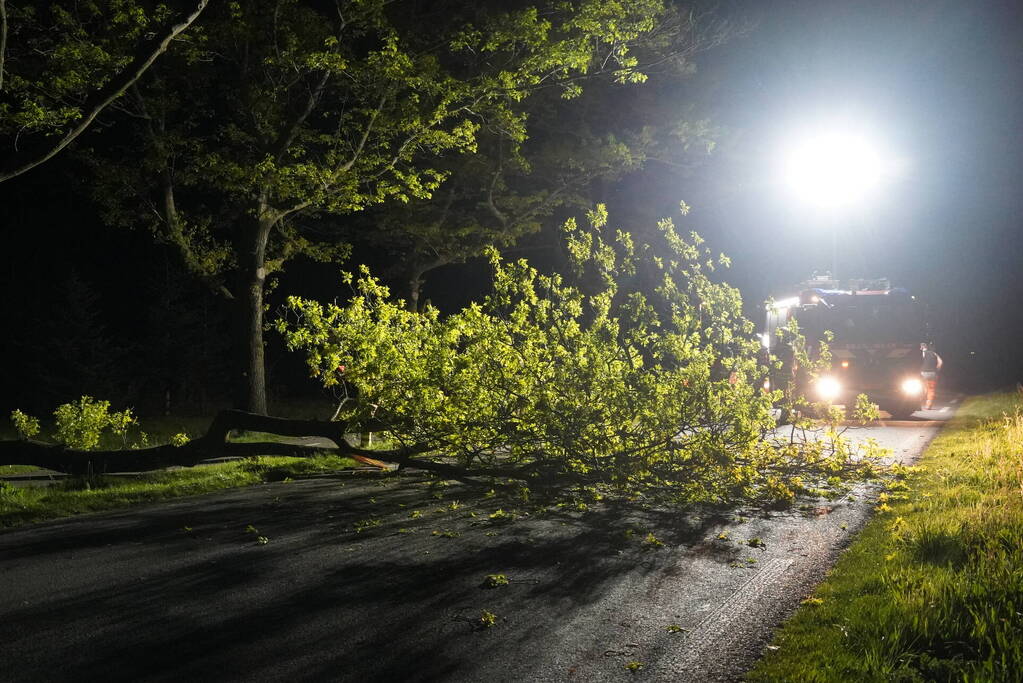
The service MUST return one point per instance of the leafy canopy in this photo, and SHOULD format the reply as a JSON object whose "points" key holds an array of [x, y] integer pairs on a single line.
{"points": [[64, 64], [60, 53], [286, 108]]}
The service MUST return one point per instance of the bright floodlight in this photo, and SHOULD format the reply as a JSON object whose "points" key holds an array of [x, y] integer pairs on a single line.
{"points": [[828, 388], [912, 386], [832, 168]]}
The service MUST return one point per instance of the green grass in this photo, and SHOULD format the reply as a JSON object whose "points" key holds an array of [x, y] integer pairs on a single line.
{"points": [[6, 470], [92, 494], [932, 589]]}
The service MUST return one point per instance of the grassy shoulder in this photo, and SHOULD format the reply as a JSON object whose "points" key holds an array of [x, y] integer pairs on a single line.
{"points": [[92, 494], [932, 588]]}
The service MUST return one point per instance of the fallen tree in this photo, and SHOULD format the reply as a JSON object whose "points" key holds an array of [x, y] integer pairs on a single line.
{"points": [[214, 444], [640, 379], [632, 374]]}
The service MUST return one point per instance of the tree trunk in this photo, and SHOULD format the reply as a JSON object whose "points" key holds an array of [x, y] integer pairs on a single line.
{"points": [[415, 285], [416, 281], [215, 444], [252, 281], [255, 398]]}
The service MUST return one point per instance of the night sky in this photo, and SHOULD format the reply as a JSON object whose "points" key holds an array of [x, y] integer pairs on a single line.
{"points": [[939, 82]]}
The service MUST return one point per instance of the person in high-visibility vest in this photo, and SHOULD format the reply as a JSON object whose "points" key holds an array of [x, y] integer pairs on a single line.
{"points": [[930, 366]]}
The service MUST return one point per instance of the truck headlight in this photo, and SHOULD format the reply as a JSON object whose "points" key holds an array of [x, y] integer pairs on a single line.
{"points": [[912, 386], [828, 388]]}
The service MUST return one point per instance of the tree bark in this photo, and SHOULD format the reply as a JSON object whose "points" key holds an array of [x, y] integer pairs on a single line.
{"points": [[415, 285], [214, 445], [251, 250], [416, 281]]}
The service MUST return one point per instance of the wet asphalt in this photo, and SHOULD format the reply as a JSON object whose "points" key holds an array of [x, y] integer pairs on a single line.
{"points": [[381, 579]]}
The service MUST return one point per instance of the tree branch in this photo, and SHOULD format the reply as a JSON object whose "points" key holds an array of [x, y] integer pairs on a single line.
{"points": [[3, 40], [365, 136], [214, 444], [175, 234], [344, 168], [147, 55], [173, 231], [288, 135], [498, 214]]}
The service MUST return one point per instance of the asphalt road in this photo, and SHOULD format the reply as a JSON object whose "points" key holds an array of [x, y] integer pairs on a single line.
{"points": [[188, 591]]}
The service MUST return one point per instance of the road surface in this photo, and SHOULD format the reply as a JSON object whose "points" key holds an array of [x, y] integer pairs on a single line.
{"points": [[274, 583]]}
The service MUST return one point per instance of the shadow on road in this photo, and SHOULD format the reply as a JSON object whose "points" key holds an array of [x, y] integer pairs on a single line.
{"points": [[185, 591]]}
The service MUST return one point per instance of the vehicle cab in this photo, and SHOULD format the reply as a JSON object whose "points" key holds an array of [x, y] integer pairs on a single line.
{"points": [[875, 347]]}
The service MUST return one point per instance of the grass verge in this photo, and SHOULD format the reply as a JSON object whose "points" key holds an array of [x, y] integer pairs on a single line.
{"points": [[932, 588], [91, 494]]}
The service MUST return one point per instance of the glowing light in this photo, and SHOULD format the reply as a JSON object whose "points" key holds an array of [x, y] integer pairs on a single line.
{"points": [[782, 304], [828, 388], [912, 386], [833, 168], [845, 364]]}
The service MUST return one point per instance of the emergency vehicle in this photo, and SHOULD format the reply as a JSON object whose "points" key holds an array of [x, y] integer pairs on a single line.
{"points": [[875, 349]]}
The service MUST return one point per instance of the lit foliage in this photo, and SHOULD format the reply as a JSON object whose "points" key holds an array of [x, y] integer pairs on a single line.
{"points": [[64, 64], [81, 424], [60, 53], [348, 107], [26, 425], [487, 619], [510, 184], [600, 383], [278, 116], [495, 581], [507, 189]]}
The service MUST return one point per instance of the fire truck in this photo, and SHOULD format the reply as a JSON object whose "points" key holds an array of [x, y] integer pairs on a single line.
{"points": [[876, 334]]}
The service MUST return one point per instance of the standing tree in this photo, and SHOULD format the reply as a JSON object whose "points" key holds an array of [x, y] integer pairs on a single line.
{"points": [[286, 109]]}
